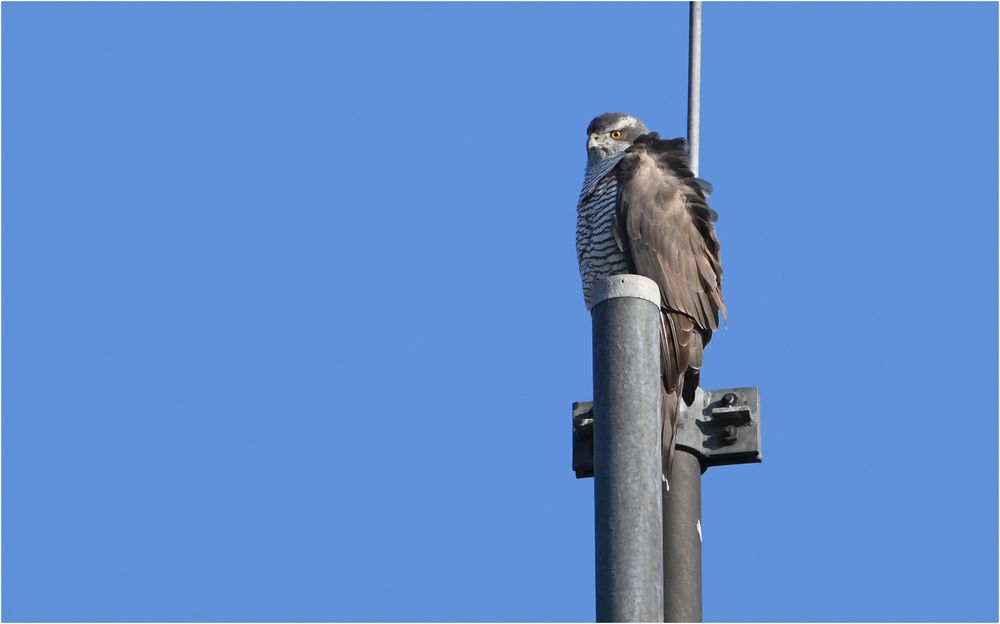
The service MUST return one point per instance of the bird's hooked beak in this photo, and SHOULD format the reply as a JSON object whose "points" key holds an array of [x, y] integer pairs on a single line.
{"points": [[599, 146]]}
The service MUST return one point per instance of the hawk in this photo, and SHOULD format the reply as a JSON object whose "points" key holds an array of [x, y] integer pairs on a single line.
{"points": [[642, 211]]}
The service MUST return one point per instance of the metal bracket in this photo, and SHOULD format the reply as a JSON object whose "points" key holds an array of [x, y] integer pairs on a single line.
{"points": [[720, 427], [583, 439]]}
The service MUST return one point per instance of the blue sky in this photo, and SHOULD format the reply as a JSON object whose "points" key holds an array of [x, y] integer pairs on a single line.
{"points": [[292, 321]]}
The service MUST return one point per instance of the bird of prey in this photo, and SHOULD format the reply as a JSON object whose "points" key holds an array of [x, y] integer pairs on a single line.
{"points": [[642, 211]]}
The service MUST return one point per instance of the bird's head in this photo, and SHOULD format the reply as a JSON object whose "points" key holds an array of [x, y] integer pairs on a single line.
{"points": [[611, 134]]}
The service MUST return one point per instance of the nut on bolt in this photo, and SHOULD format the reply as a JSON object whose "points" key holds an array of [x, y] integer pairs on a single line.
{"points": [[731, 435], [729, 399]]}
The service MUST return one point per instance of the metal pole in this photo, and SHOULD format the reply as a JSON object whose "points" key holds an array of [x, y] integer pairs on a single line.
{"points": [[682, 502], [627, 483], [694, 85], [682, 540]]}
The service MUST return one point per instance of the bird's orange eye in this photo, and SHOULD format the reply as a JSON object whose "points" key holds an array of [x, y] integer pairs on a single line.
{"points": [[617, 134]]}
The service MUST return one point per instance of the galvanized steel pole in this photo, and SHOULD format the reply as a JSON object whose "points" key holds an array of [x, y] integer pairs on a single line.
{"points": [[682, 502], [682, 540], [627, 481]]}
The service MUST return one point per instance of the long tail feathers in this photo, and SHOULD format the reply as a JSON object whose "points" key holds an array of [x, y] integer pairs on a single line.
{"points": [[682, 346]]}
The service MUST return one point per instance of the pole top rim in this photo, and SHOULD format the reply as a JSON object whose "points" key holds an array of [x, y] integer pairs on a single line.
{"points": [[625, 285]]}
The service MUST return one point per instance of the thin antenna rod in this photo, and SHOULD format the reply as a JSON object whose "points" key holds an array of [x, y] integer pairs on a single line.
{"points": [[694, 85]]}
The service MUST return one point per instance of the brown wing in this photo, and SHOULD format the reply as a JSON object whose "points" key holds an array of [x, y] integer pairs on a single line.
{"points": [[664, 226]]}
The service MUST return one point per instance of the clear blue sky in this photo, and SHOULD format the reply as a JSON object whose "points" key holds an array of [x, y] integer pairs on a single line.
{"points": [[292, 319]]}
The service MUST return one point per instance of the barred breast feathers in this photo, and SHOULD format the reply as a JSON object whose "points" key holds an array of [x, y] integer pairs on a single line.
{"points": [[594, 173], [597, 249]]}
